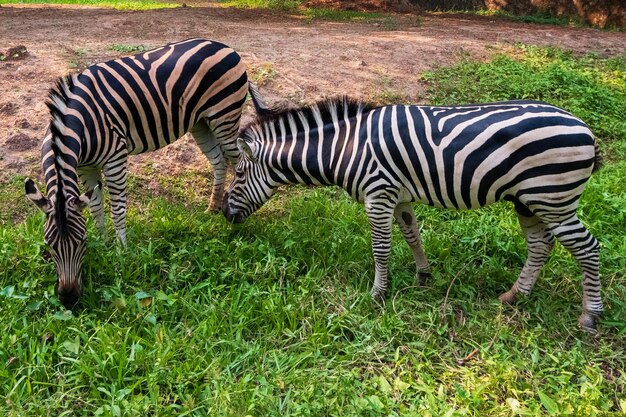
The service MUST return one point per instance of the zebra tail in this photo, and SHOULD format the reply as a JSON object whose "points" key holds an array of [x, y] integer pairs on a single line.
{"points": [[597, 159], [262, 109]]}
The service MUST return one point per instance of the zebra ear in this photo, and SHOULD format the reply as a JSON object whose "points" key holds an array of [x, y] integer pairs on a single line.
{"points": [[83, 200], [34, 195], [247, 148]]}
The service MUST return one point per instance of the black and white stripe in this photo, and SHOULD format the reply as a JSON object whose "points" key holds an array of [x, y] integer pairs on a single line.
{"points": [[531, 153], [128, 106]]}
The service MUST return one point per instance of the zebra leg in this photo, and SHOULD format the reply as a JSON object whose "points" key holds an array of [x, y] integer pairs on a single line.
{"points": [[539, 243], [116, 176], [405, 216], [210, 147], [90, 179], [380, 218], [586, 249]]}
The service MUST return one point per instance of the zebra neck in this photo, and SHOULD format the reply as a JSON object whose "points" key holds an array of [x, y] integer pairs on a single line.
{"points": [[59, 166], [319, 155]]}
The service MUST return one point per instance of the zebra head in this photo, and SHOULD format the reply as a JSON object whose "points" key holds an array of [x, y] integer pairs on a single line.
{"points": [[252, 184], [64, 234]]}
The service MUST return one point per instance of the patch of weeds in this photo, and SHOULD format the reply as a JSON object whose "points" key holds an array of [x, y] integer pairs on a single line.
{"points": [[537, 18], [347, 15], [15, 53], [261, 74], [14, 206], [385, 93], [128, 49], [78, 60], [262, 4]]}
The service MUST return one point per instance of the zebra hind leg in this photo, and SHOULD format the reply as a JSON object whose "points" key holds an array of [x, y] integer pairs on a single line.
{"points": [[210, 147], [405, 216], [380, 218], [539, 243], [586, 250]]}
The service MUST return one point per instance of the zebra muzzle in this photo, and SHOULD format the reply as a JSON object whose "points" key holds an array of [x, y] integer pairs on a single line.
{"points": [[231, 215], [68, 295]]}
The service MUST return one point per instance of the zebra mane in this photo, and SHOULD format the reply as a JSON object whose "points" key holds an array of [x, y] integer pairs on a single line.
{"points": [[57, 103], [341, 106]]}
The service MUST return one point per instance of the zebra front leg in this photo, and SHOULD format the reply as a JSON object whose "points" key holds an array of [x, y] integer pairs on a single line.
{"points": [[210, 147], [380, 218], [90, 179], [405, 216], [539, 243], [116, 176], [586, 249]]}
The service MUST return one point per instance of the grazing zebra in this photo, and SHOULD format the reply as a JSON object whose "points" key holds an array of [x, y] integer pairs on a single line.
{"points": [[124, 107], [531, 153]]}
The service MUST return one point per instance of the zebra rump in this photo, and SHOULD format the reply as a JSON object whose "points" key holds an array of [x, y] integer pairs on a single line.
{"points": [[461, 157]]}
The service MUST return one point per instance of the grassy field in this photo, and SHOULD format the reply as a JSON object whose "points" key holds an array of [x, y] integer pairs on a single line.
{"points": [[115, 4], [273, 318]]}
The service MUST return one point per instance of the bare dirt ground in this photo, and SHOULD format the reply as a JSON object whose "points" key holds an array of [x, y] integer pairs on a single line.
{"points": [[295, 59]]}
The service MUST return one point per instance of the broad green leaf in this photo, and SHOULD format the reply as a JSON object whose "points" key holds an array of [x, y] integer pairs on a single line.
{"points": [[400, 385], [72, 346], [33, 305], [383, 385], [7, 291], [140, 295], [376, 402], [550, 405], [63, 315], [150, 318]]}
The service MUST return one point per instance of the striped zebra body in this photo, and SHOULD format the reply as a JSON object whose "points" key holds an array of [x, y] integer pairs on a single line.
{"points": [[464, 157], [129, 106]]}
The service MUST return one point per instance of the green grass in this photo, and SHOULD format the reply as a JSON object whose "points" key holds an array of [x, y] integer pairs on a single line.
{"points": [[314, 13], [263, 4], [347, 15], [116, 4], [273, 317], [538, 18], [128, 49]]}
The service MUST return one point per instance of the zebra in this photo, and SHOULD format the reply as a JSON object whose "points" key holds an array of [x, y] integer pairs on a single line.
{"points": [[123, 107], [531, 153]]}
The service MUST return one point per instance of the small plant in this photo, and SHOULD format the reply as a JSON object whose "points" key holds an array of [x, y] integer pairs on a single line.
{"points": [[78, 60], [262, 73], [262, 4], [128, 49], [346, 15], [384, 93], [538, 18]]}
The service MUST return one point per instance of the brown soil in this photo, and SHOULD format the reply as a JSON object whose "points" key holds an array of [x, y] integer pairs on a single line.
{"points": [[298, 60]]}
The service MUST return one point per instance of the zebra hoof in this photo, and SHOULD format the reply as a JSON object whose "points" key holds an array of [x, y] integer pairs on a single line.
{"points": [[508, 297], [423, 277], [587, 322], [378, 296]]}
